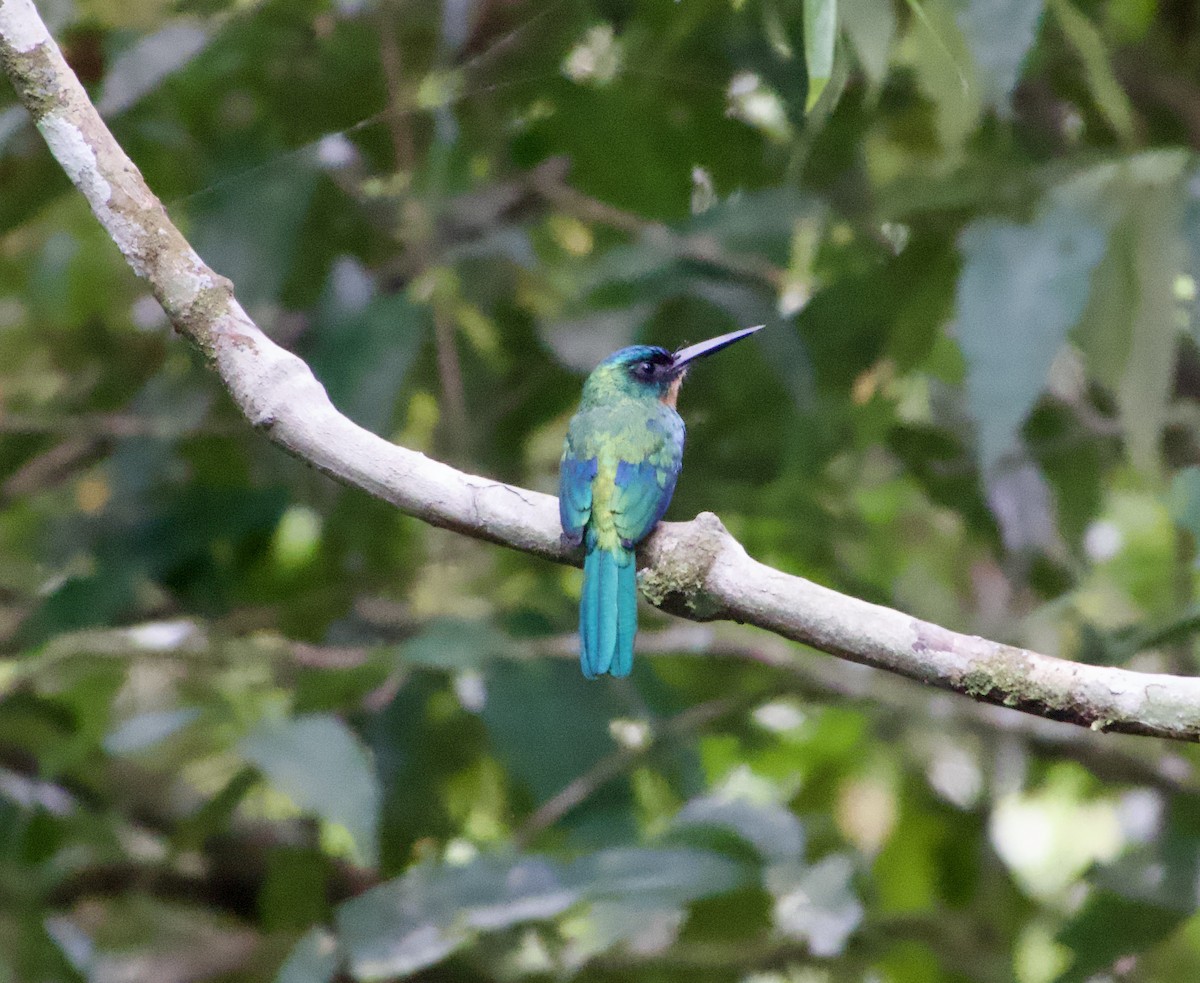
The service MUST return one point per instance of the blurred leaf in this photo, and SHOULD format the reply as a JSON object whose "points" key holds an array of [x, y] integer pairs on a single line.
{"points": [[140, 68], [421, 918], [217, 812], [1021, 290], [82, 602], [1073, 462], [944, 65], [1129, 641], [455, 644], [147, 729], [638, 113], [629, 923], [660, 877], [773, 831], [364, 345], [74, 943], [814, 903], [1149, 372], [418, 919], [1110, 927], [548, 705], [1191, 237], [293, 894], [871, 28], [1137, 902], [1185, 500], [1000, 34], [1021, 501], [817, 904], [1106, 90], [1104, 331], [1144, 564], [194, 527], [12, 120], [820, 37], [313, 960], [248, 230], [582, 342], [319, 764], [758, 222]]}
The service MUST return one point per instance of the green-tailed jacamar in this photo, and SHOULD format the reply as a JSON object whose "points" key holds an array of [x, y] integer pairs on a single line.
{"points": [[621, 459]]}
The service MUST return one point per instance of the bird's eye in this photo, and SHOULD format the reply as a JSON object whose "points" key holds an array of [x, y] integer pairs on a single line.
{"points": [[644, 370]]}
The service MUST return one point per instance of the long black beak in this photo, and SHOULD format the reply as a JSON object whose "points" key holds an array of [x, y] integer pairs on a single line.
{"points": [[703, 348]]}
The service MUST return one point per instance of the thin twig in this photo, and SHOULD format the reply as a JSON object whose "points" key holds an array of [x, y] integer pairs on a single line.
{"points": [[450, 379], [398, 112], [550, 183], [612, 766], [51, 467]]}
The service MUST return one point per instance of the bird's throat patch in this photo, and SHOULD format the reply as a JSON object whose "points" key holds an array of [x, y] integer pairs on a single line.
{"points": [[672, 394]]}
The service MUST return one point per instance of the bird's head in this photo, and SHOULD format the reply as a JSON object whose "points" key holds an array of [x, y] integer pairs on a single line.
{"points": [[647, 371]]}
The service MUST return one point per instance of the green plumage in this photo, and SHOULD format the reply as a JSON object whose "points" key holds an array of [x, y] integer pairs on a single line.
{"points": [[620, 462]]}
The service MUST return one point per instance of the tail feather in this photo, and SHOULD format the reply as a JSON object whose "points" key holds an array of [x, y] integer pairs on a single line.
{"points": [[606, 627], [608, 612], [589, 609], [626, 617]]}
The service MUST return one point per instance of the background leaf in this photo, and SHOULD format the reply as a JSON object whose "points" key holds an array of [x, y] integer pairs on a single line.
{"points": [[317, 763], [1022, 288], [820, 35]]}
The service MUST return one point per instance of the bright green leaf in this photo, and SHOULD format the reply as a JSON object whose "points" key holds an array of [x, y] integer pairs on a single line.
{"points": [[1145, 387], [820, 38], [941, 59], [1106, 90]]}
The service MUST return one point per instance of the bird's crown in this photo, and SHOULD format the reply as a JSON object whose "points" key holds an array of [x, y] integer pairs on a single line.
{"points": [[636, 371]]}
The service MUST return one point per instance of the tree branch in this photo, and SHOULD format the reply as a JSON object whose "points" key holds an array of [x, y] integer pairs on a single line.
{"points": [[693, 569]]}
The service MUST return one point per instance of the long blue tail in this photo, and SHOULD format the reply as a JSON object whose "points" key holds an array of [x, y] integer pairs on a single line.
{"points": [[608, 612]]}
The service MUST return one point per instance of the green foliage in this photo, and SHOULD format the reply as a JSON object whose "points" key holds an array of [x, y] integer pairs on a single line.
{"points": [[317, 763], [256, 727], [1021, 290]]}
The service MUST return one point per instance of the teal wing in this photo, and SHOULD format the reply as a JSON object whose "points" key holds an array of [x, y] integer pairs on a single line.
{"points": [[575, 478], [642, 495]]}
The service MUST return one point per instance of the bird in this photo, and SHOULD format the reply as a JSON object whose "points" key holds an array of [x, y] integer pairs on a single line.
{"points": [[621, 458]]}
